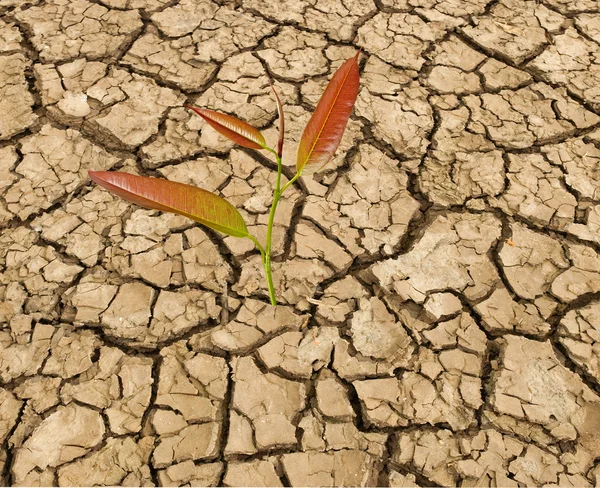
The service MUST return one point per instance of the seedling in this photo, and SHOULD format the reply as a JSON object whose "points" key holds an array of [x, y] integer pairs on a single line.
{"points": [[320, 139]]}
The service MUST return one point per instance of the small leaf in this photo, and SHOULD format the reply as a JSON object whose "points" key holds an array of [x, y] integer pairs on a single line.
{"points": [[197, 204], [281, 120], [235, 129], [325, 129]]}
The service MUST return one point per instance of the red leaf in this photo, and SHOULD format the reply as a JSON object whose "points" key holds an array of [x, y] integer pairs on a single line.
{"points": [[281, 120], [197, 204], [235, 129], [325, 128]]}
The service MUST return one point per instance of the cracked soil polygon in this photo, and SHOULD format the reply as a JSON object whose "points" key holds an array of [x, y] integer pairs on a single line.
{"points": [[438, 280], [63, 30]]}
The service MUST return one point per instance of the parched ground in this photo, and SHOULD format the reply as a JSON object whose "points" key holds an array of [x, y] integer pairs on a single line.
{"points": [[440, 280]]}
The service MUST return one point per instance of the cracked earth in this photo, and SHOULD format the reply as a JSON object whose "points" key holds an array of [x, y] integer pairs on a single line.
{"points": [[439, 281]]}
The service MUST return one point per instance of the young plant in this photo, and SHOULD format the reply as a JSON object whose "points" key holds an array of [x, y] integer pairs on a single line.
{"points": [[320, 139]]}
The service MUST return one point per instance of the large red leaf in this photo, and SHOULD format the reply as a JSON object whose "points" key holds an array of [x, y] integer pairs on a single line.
{"points": [[235, 129], [197, 204], [325, 128]]}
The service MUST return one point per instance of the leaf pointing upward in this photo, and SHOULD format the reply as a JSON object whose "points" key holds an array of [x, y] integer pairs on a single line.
{"points": [[197, 204], [235, 129], [281, 119], [325, 129]]}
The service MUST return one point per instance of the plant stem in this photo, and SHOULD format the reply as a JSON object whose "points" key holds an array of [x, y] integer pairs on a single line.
{"points": [[258, 246], [267, 256], [266, 252], [291, 182], [267, 265]]}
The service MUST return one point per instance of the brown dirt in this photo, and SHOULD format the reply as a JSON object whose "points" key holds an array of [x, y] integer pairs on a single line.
{"points": [[440, 280]]}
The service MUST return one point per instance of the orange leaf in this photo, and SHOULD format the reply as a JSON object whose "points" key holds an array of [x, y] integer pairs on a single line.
{"points": [[235, 129], [197, 204], [325, 128]]}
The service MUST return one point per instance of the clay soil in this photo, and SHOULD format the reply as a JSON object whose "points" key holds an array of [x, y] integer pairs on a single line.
{"points": [[439, 281]]}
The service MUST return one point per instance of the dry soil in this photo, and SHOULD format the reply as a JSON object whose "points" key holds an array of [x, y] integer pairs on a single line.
{"points": [[440, 280]]}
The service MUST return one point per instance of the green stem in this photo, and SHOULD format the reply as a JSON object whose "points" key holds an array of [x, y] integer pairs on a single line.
{"points": [[258, 246], [267, 258], [267, 265], [291, 182], [266, 252]]}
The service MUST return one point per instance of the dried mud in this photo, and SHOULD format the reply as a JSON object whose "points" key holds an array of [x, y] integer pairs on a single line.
{"points": [[439, 281]]}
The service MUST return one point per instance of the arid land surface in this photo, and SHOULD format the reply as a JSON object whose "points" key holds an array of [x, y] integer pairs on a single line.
{"points": [[439, 281]]}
